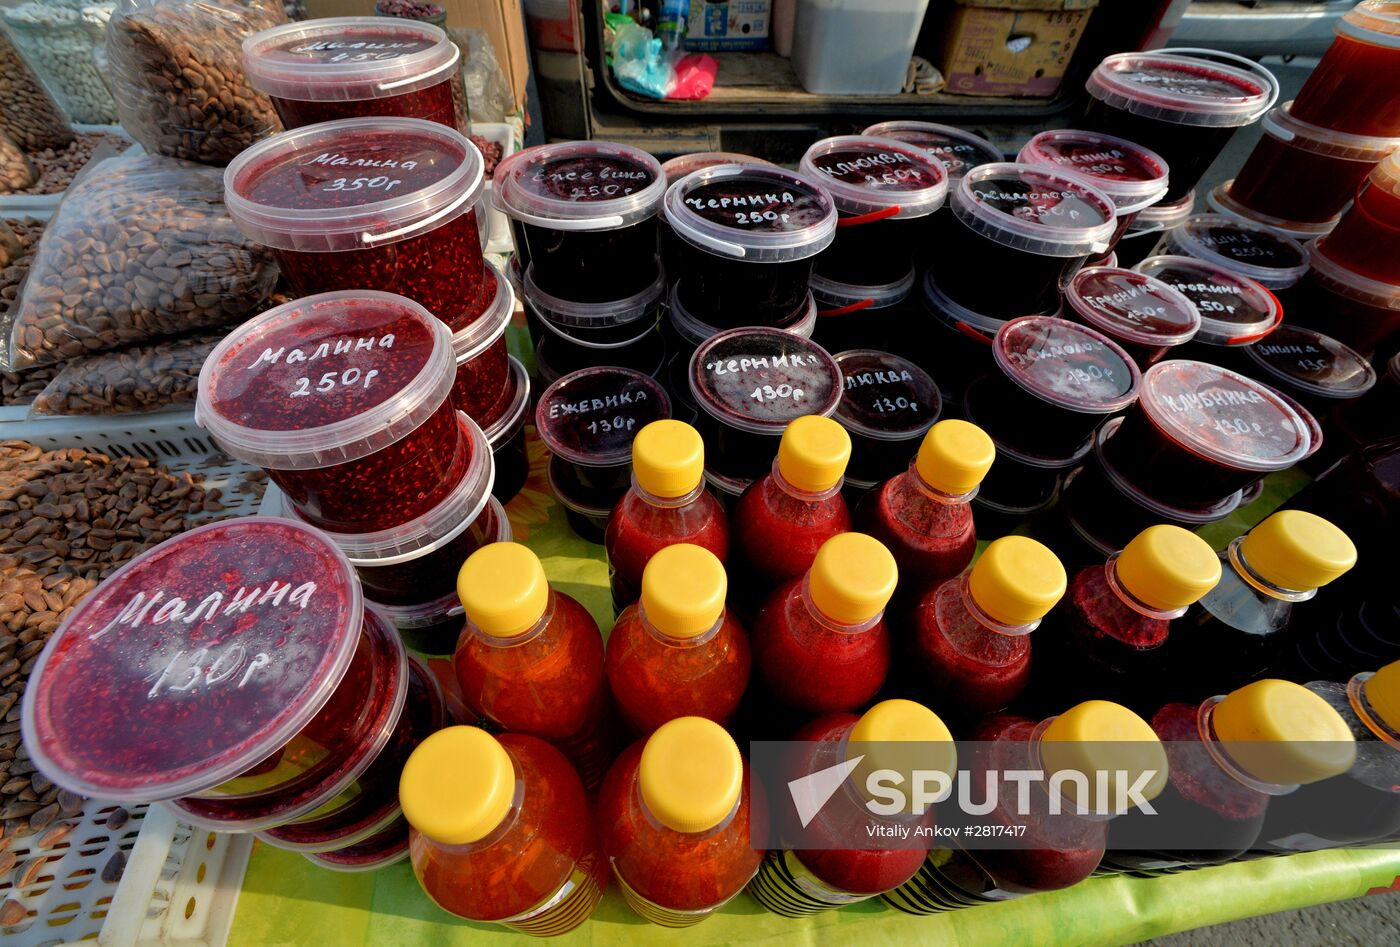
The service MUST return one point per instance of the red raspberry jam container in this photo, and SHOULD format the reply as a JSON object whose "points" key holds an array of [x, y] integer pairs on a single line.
{"points": [[1200, 433], [1020, 232], [234, 663], [852, 317], [480, 352], [599, 326], [1356, 86], [884, 191], [1313, 368], [961, 349], [387, 848], [1364, 239], [1143, 314], [746, 236], [1233, 309], [342, 399], [748, 384], [588, 419], [1057, 383], [1147, 227], [1184, 104], [889, 403], [1363, 313], [960, 151], [1271, 259], [586, 510], [507, 436], [386, 204], [584, 215], [356, 67]]}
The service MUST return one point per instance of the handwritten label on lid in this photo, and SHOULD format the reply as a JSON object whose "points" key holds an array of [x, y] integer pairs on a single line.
{"points": [[756, 203], [1064, 363], [588, 178], [593, 415], [354, 169], [765, 377], [1054, 204], [1218, 412], [878, 169], [886, 394], [1188, 79], [349, 46]]}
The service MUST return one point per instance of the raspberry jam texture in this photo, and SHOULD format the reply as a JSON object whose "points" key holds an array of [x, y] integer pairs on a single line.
{"points": [[385, 848], [588, 420], [963, 665], [777, 534], [887, 406], [1145, 315], [441, 103], [483, 382], [638, 530], [930, 540]]}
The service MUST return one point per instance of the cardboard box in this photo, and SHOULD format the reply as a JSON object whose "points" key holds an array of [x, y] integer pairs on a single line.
{"points": [[1011, 47], [728, 25]]}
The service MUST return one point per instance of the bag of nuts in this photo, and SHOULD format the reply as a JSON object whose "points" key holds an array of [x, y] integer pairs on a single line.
{"points": [[141, 378], [141, 248], [177, 76], [28, 114], [16, 170]]}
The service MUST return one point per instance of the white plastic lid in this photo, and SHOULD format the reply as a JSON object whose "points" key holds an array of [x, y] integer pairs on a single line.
{"points": [[194, 662], [1163, 216], [580, 185], [867, 175], [1165, 511], [1234, 309], [1223, 416], [512, 419], [1185, 86], [681, 165], [476, 338], [1265, 256], [886, 398], [1066, 364], [1372, 21], [1312, 363], [956, 316], [352, 184], [1221, 201], [347, 58], [263, 391], [1281, 124], [589, 417], [959, 150], [1134, 177], [754, 212], [694, 331], [845, 297], [604, 315], [1035, 210], [1128, 305], [1336, 278], [759, 379]]}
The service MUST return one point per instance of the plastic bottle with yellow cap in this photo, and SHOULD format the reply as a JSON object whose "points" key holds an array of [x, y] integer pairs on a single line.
{"points": [[500, 831], [1229, 758], [836, 863], [1237, 633], [970, 652], [820, 644], [531, 658], [924, 515], [667, 504], [674, 817], [678, 652], [1062, 829]]}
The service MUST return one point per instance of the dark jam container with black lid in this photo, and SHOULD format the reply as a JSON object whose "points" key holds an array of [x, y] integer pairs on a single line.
{"points": [[1234, 309], [588, 419], [746, 236], [959, 347], [685, 332], [888, 405], [1316, 369], [1200, 433], [959, 150], [1016, 233], [885, 192], [583, 214], [586, 510], [748, 384], [1143, 314], [507, 436], [1271, 259], [1184, 104], [557, 356], [852, 317], [677, 168], [1146, 229]]}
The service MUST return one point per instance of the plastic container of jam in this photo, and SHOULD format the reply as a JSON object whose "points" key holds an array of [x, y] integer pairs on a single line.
{"points": [[1372, 418], [884, 191], [587, 511], [1142, 235], [685, 332], [1362, 239], [1016, 493], [1144, 315], [889, 403], [1200, 433], [1351, 307], [357, 67], [1234, 310], [343, 399], [852, 317], [1314, 368], [677, 168], [581, 209], [1021, 231], [748, 384], [386, 848], [604, 324], [746, 238], [961, 348], [958, 149], [1356, 86], [483, 367], [556, 356], [1270, 259], [1184, 104], [507, 437], [386, 204]]}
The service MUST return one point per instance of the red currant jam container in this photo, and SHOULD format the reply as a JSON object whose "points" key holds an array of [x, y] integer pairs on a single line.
{"points": [[596, 330], [342, 398], [1270, 259], [1020, 232], [885, 192], [234, 664], [506, 436], [748, 384], [376, 203], [1314, 368], [483, 369], [1199, 433], [1353, 308], [581, 209], [961, 349], [1184, 104], [1234, 310], [1140, 240], [1356, 86], [1132, 176], [1144, 315], [356, 67], [888, 405], [747, 235], [959, 150], [853, 317]]}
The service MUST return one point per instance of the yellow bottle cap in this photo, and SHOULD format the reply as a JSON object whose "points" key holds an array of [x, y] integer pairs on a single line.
{"points": [[955, 456], [876, 734], [457, 785], [503, 589], [1383, 694], [1298, 550], [1282, 733], [668, 458], [1017, 580], [1167, 567], [813, 453], [683, 589], [690, 774], [852, 578], [1100, 736]]}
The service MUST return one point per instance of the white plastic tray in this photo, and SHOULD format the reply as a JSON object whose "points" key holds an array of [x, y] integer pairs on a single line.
{"points": [[496, 238]]}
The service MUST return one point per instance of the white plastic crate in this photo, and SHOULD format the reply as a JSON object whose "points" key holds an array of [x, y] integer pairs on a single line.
{"points": [[496, 233]]}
